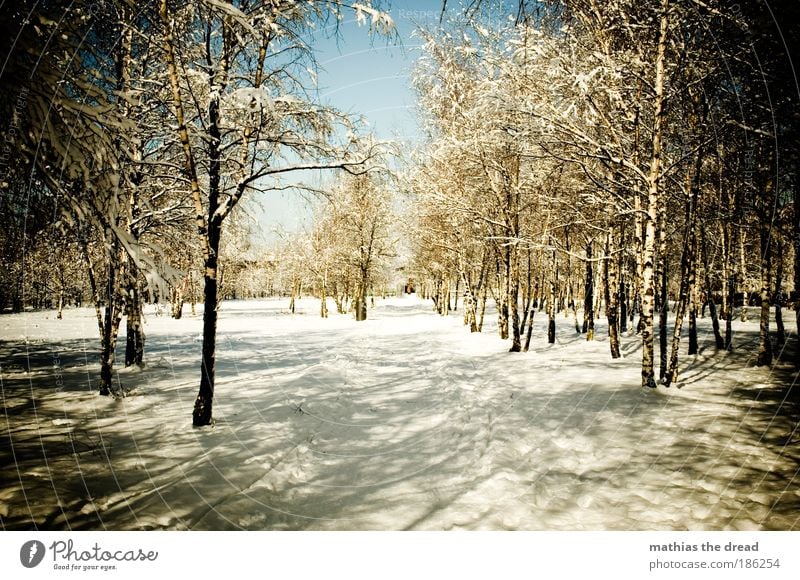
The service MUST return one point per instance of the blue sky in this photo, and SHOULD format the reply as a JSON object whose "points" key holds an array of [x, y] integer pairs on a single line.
{"points": [[370, 75], [367, 76]]}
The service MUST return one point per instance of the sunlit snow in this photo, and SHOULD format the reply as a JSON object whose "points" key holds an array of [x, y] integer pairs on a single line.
{"points": [[405, 421]]}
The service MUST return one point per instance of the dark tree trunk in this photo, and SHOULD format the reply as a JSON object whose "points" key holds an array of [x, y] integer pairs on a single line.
{"points": [[796, 243], [361, 297], [777, 297], [529, 332], [134, 343], [728, 272], [686, 267], [623, 304], [16, 300], [743, 275], [293, 298], [513, 300], [693, 345], [766, 233], [502, 314], [570, 286], [681, 305], [709, 295], [588, 298], [106, 356], [448, 297], [693, 290], [482, 310], [765, 351], [503, 272], [551, 304], [323, 307], [730, 292], [112, 317], [663, 312], [202, 414], [192, 294], [361, 307]]}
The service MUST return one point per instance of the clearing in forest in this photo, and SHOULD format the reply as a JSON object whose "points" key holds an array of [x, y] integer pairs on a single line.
{"points": [[404, 421]]}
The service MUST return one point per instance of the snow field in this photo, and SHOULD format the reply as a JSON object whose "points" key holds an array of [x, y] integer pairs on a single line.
{"points": [[404, 421]]}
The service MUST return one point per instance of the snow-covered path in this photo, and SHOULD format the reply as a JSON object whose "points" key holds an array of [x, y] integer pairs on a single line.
{"points": [[405, 421]]}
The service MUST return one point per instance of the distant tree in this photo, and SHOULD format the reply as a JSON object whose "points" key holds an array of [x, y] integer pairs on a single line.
{"points": [[360, 216]]}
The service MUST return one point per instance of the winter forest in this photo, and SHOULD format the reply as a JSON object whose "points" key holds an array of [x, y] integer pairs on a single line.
{"points": [[567, 299]]}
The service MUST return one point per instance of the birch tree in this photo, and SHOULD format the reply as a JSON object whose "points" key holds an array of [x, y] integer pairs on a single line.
{"points": [[238, 74], [608, 89]]}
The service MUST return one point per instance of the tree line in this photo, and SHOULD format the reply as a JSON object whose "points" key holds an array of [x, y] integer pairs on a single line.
{"points": [[135, 131], [622, 155], [600, 159]]}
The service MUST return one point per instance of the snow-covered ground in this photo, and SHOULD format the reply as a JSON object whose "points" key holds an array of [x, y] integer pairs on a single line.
{"points": [[405, 421]]}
